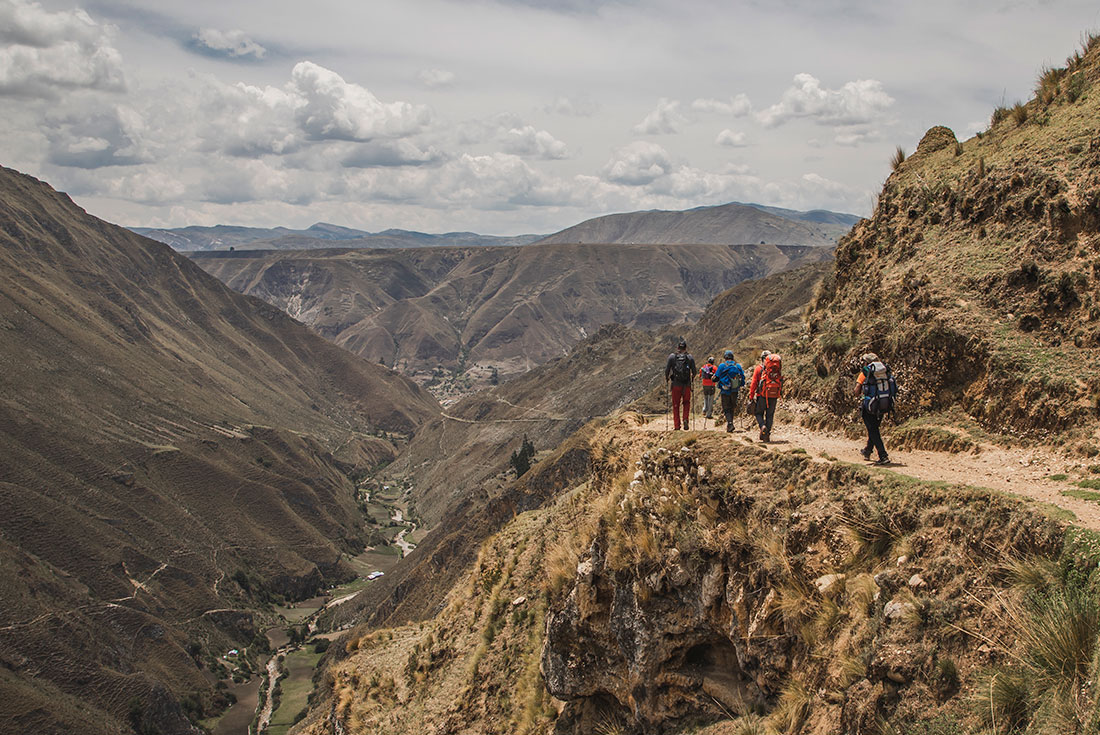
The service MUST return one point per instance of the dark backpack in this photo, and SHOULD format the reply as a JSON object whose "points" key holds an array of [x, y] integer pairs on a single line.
{"points": [[879, 388], [681, 368]]}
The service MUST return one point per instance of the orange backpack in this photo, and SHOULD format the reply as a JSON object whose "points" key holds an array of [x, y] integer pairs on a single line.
{"points": [[770, 384]]}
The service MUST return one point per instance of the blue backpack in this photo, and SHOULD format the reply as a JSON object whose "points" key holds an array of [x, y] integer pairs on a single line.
{"points": [[879, 389]]}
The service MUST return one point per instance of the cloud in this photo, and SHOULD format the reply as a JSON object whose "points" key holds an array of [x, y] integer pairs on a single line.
{"points": [[390, 153], [112, 137], [436, 78], [665, 119], [228, 44], [730, 139], [637, 164], [46, 53], [332, 109], [527, 141], [855, 103], [581, 106], [853, 138], [738, 106]]}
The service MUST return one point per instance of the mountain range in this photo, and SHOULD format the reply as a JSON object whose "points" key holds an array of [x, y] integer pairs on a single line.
{"points": [[320, 235]]}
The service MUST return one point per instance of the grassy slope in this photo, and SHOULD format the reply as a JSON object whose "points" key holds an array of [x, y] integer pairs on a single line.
{"points": [[824, 660], [977, 273]]}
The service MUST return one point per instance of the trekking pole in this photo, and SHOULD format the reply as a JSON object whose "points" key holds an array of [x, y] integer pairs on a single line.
{"points": [[668, 402]]}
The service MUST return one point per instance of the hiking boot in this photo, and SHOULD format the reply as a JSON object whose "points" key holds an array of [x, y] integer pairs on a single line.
{"points": [[767, 436], [866, 454], [883, 460], [729, 428], [762, 436]]}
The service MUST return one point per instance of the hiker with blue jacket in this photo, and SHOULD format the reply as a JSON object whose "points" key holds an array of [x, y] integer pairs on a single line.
{"points": [[730, 377]]}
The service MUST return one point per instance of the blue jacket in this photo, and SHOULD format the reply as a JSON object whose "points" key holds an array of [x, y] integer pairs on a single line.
{"points": [[730, 377]]}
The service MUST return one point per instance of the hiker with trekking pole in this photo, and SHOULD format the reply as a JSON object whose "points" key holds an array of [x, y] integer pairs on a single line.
{"points": [[764, 391], [877, 388], [679, 374], [730, 378]]}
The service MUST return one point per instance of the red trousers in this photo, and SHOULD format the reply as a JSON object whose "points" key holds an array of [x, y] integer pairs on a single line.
{"points": [[681, 395]]}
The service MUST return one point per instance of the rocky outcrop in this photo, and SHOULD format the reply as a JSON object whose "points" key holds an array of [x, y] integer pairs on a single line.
{"points": [[722, 585]]}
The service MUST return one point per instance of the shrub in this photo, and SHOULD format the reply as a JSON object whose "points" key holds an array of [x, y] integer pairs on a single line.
{"points": [[898, 158], [1000, 113], [1049, 79], [1019, 113], [1075, 87]]}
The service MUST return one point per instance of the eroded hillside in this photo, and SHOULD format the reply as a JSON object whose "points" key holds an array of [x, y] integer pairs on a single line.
{"points": [[978, 273], [691, 580], [174, 457], [456, 318]]}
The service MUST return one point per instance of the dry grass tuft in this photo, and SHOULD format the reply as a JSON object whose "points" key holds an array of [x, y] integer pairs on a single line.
{"points": [[792, 708], [1033, 575], [898, 158]]}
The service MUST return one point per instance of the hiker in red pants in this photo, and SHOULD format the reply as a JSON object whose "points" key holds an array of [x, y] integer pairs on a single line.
{"points": [[679, 373]]}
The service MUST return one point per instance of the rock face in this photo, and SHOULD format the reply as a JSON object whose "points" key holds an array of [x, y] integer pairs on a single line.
{"points": [[692, 634], [616, 642], [752, 587]]}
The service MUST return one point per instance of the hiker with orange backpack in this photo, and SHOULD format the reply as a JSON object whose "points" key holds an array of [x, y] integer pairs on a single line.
{"points": [[679, 374], [764, 391], [877, 388]]}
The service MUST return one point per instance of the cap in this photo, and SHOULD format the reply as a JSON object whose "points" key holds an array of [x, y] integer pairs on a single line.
{"points": [[683, 344], [729, 354], [710, 359], [764, 354]]}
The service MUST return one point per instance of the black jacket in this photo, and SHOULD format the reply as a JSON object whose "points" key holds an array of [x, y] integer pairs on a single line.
{"points": [[690, 365]]}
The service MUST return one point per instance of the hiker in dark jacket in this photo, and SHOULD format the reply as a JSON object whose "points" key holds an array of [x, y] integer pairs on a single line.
{"points": [[730, 377], [679, 374], [876, 388]]}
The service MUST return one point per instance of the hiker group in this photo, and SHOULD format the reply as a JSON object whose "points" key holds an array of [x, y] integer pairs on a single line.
{"points": [[727, 379], [875, 386]]}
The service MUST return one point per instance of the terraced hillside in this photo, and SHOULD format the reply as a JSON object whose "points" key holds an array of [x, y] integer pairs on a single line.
{"points": [[471, 316], [173, 456]]}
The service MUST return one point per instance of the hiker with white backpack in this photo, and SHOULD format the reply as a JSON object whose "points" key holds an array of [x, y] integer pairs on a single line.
{"points": [[877, 389]]}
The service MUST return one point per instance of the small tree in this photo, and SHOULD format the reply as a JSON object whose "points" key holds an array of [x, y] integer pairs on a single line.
{"points": [[521, 458]]}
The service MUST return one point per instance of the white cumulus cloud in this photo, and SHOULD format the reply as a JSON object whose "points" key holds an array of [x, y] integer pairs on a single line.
{"points": [[45, 53], [331, 108], [637, 164], [234, 44], [738, 106], [527, 141], [666, 118], [855, 103], [730, 138]]}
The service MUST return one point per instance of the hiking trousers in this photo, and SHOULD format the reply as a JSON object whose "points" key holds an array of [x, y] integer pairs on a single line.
{"points": [[874, 436], [708, 401], [681, 396], [765, 413], [729, 401]]}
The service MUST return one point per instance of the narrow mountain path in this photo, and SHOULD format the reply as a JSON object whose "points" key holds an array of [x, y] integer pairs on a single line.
{"points": [[1021, 472]]}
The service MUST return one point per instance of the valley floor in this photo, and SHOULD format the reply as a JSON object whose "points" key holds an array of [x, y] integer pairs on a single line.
{"points": [[1038, 473]]}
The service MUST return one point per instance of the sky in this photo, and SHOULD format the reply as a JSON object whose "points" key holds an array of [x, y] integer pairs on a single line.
{"points": [[498, 116]]}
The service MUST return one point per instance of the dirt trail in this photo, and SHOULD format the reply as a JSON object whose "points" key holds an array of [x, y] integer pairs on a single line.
{"points": [[1021, 472]]}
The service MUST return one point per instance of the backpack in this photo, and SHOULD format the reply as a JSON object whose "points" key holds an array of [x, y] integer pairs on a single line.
{"points": [[708, 371], [770, 384], [681, 371], [879, 388]]}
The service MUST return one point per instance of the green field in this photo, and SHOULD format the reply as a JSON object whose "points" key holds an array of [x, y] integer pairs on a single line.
{"points": [[295, 688]]}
